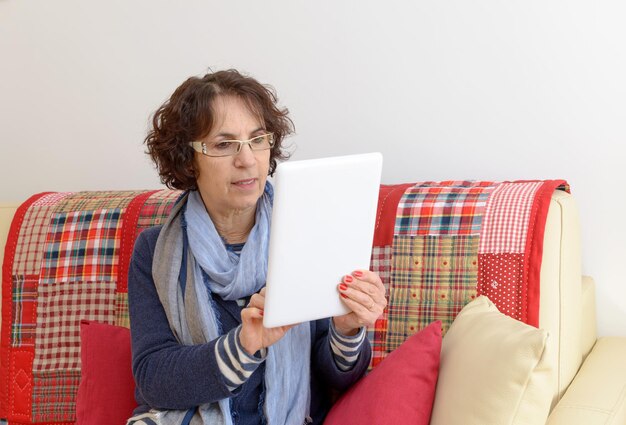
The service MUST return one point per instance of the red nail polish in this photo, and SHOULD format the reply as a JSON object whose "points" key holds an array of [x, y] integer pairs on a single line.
{"points": [[358, 273], [261, 312], [348, 279], [343, 286], [344, 295]]}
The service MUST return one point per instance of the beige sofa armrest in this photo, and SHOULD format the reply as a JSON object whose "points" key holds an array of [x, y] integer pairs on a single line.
{"points": [[588, 326], [598, 393]]}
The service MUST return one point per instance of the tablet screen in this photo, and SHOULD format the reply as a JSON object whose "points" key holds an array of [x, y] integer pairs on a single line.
{"points": [[322, 228]]}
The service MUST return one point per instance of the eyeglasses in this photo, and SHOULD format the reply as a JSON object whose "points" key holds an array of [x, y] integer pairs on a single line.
{"points": [[233, 147]]}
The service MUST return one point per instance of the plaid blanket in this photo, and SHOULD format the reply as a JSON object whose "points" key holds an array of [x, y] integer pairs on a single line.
{"points": [[66, 260], [436, 246]]}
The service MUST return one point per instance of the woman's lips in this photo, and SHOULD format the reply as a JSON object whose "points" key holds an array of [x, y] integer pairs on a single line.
{"points": [[244, 183]]}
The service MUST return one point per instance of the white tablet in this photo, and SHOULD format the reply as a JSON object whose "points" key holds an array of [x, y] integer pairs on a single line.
{"points": [[322, 228]]}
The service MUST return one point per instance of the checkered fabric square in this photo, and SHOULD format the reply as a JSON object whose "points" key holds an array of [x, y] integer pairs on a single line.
{"points": [[52, 199], [24, 311], [95, 200], [60, 309], [156, 209], [82, 246], [505, 225], [121, 310], [446, 208], [377, 334], [432, 278], [32, 235], [381, 263], [54, 396]]}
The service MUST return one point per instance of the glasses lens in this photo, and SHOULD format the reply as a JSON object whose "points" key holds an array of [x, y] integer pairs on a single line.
{"points": [[261, 142], [224, 148]]}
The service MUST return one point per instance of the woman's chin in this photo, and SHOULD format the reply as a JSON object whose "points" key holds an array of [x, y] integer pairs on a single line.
{"points": [[246, 202], [246, 193]]}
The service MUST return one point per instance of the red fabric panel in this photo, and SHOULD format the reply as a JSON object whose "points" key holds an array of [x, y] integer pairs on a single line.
{"points": [[131, 215], [534, 248], [21, 385], [388, 199], [6, 401]]}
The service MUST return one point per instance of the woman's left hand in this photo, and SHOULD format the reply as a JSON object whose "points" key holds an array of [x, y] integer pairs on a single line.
{"points": [[363, 293]]}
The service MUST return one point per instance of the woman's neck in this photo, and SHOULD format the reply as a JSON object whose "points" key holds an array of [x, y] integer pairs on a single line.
{"points": [[234, 226]]}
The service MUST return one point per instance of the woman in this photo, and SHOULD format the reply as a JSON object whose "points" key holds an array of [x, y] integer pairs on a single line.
{"points": [[196, 284]]}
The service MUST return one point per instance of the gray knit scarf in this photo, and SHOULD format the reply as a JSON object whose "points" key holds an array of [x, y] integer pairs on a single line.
{"points": [[190, 311]]}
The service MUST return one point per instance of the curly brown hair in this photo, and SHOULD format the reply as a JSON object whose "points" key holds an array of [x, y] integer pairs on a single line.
{"points": [[188, 115]]}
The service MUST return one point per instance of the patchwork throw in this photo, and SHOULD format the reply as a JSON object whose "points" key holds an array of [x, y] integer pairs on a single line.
{"points": [[437, 245], [66, 260]]}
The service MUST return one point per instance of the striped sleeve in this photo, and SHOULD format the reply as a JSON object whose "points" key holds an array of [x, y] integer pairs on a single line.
{"points": [[345, 348], [235, 364]]}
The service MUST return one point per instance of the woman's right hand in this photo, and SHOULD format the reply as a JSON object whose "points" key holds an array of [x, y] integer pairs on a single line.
{"points": [[254, 336]]}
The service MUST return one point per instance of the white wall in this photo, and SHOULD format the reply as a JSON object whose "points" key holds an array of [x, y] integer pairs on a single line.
{"points": [[485, 89]]}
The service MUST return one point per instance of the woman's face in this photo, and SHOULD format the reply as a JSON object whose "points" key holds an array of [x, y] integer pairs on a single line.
{"points": [[233, 184]]}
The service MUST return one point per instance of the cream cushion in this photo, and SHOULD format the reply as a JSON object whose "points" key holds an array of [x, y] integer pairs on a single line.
{"points": [[494, 370]]}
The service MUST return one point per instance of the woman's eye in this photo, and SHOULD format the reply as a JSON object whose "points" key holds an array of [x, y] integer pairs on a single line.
{"points": [[258, 140], [223, 145]]}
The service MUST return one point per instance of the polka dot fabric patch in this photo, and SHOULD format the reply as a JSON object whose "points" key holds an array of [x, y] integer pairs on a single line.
{"points": [[500, 278]]}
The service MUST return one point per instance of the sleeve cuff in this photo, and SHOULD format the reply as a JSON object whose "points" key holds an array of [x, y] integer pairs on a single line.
{"points": [[235, 364], [346, 349]]}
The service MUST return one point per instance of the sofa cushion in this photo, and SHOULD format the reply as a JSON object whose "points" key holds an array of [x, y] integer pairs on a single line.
{"points": [[494, 370], [598, 394], [399, 390], [106, 390]]}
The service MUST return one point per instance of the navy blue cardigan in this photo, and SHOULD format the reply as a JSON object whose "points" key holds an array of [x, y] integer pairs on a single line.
{"points": [[174, 376]]}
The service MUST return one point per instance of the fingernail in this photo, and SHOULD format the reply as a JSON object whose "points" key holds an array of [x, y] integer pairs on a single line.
{"points": [[357, 273], [343, 286], [261, 312], [348, 279], [344, 295]]}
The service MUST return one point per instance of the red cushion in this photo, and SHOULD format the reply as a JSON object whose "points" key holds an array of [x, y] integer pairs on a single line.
{"points": [[400, 390], [106, 390]]}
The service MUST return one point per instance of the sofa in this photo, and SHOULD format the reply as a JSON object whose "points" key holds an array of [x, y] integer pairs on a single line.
{"points": [[586, 383]]}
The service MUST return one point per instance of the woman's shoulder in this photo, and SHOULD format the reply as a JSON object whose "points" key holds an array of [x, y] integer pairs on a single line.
{"points": [[151, 233], [147, 239]]}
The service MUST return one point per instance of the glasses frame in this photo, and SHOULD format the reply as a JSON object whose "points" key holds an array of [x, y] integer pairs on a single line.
{"points": [[201, 147]]}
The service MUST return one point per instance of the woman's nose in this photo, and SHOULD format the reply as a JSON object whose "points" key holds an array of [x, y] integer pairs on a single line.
{"points": [[245, 157]]}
